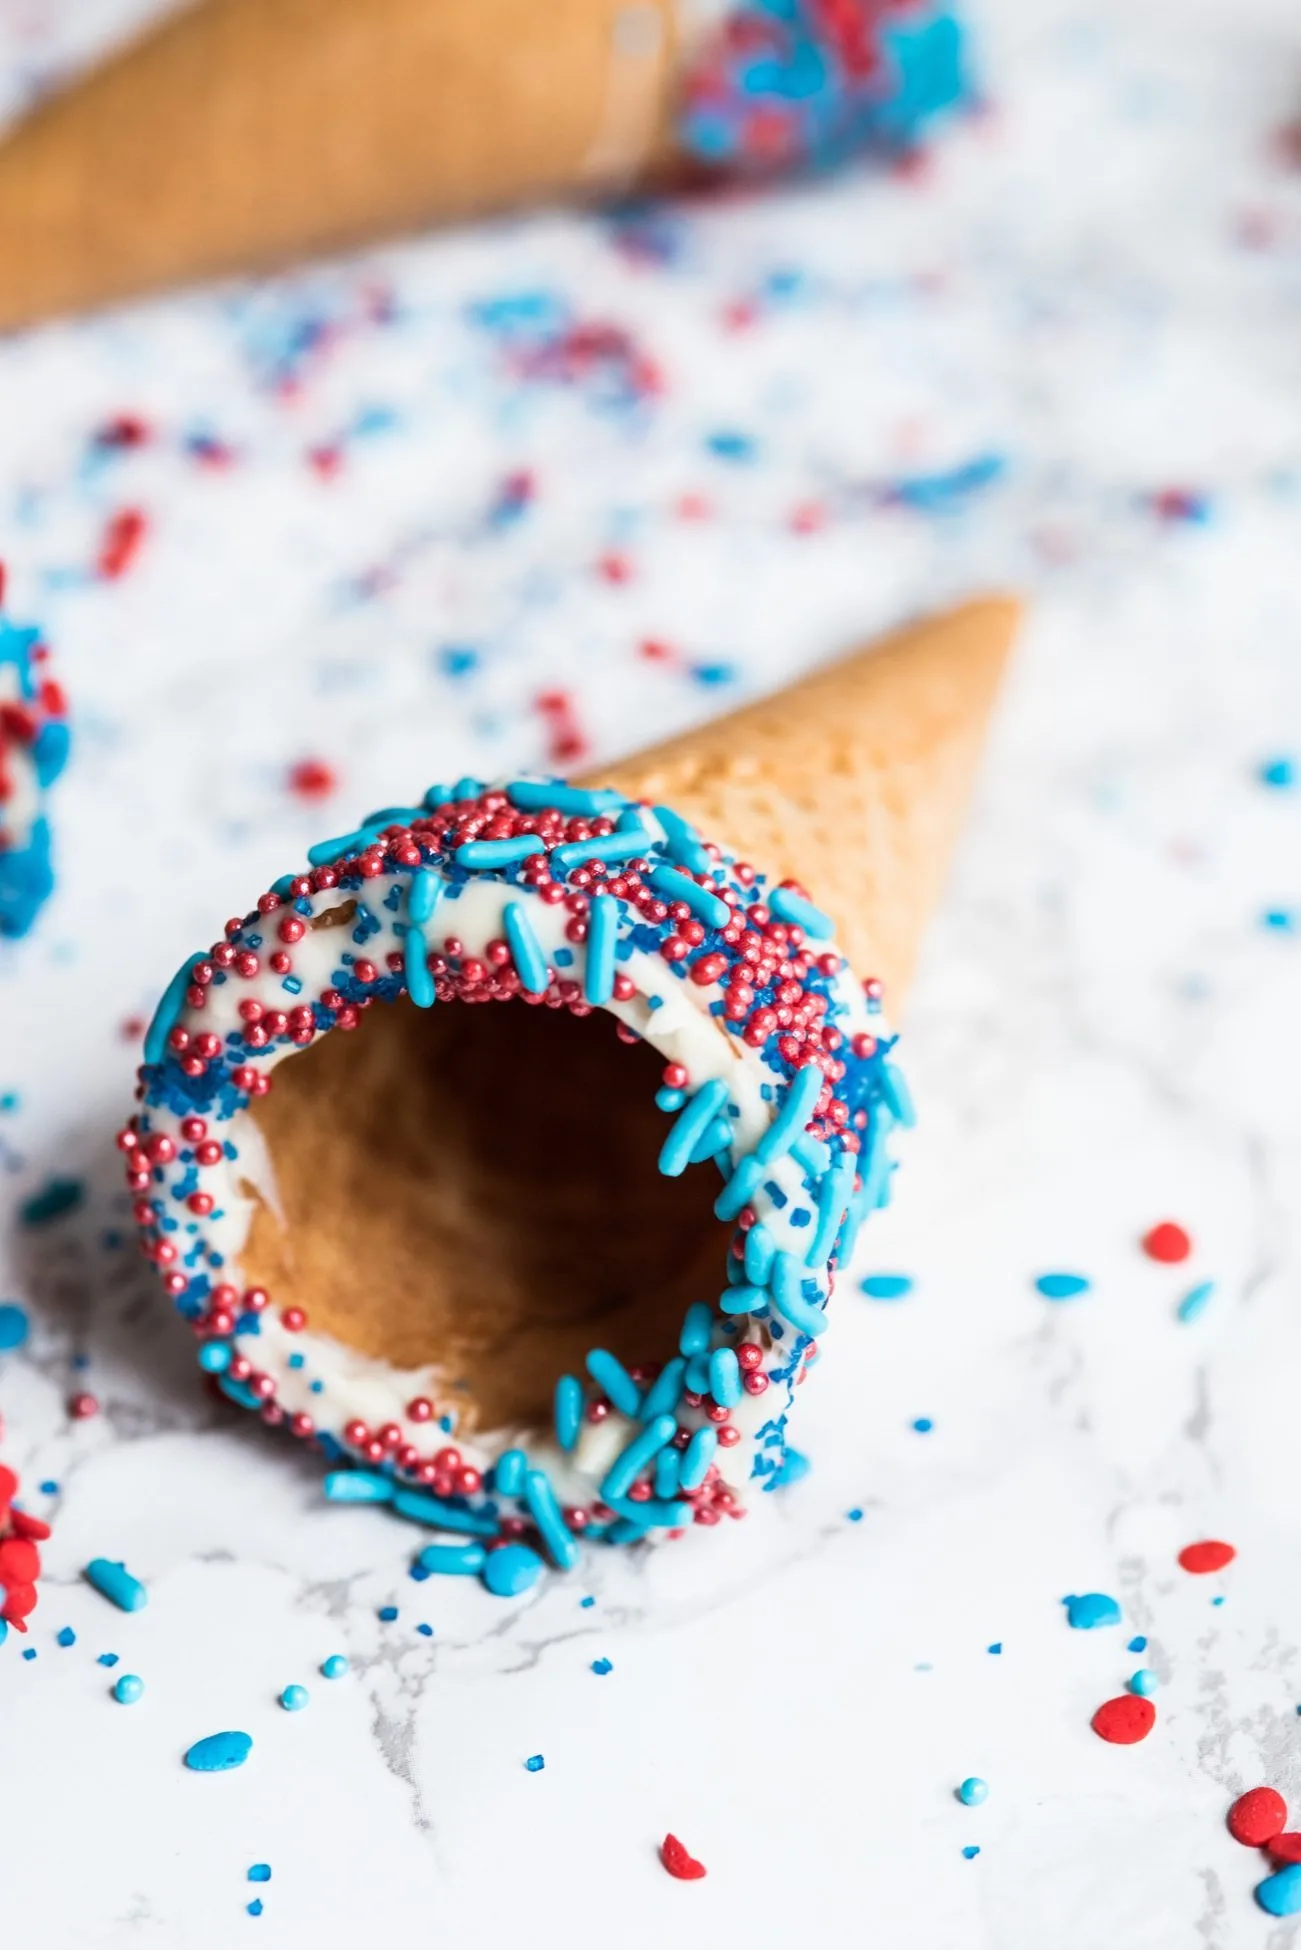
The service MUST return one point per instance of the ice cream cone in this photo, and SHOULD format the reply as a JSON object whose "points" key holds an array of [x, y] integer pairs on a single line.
{"points": [[853, 782]]}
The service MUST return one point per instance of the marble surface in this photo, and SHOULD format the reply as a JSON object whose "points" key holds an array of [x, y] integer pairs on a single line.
{"points": [[1066, 359]]}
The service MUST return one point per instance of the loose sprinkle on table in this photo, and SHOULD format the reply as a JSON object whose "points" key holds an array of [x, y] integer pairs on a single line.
{"points": [[1062, 1286], [886, 1286], [334, 1667], [1167, 1242], [1195, 1302], [535, 1763], [1280, 1894], [260, 1872], [294, 1698], [679, 1862], [1257, 1816], [128, 1689], [218, 1752], [973, 1791], [1144, 1681], [1210, 1555], [1123, 1720], [602, 1666], [1087, 1611]]}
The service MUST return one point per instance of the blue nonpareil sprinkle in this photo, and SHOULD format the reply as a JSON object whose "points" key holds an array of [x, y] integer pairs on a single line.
{"points": [[803, 1315], [973, 1791], [359, 1486], [1195, 1302], [114, 1582], [602, 1666], [1061, 1286], [886, 1286], [535, 1763], [602, 932], [294, 1698], [1086, 1611], [335, 1666], [798, 912], [1143, 1682], [610, 1375], [219, 1752], [486, 856], [526, 949], [923, 1424], [128, 1689]]}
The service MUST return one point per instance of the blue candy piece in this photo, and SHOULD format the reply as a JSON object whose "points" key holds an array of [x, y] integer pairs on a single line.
{"points": [[1280, 1894], [359, 1486], [215, 1357], [535, 1763], [294, 1698], [114, 1582], [335, 1666], [973, 1791], [796, 911], [1143, 1682], [260, 1872], [1062, 1286], [14, 1327], [66, 1637], [128, 1689], [512, 1569], [453, 1560], [601, 1666], [697, 1327], [886, 1286], [508, 1476], [219, 1752], [1086, 1612]]}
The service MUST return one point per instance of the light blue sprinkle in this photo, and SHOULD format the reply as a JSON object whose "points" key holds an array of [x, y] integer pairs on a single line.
{"points": [[326, 852], [535, 1763], [682, 843], [1062, 1286], [651, 1515], [432, 1510], [294, 1698], [438, 795], [796, 911], [114, 1582], [1279, 772], [610, 848], [971, 1851], [665, 1391], [643, 1448], [713, 1142], [697, 1375], [668, 1474], [833, 1203], [1144, 1682], [128, 1689], [453, 1560], [601, 1666], [812, 1154], [886, 1286], [689, 1126], [511, 1570], [671, 885], [576, 802], [973, 1791], [215, 1357], [420, 983], [1086, 1611], [335, 1666], [744, 1299], [696, 1458], [1195, 1301], [724, 1377], [358, 1486], [390, 816], [1138, 1643], [923, 1424], [1281, 920], [798, 1106], [487, 855], [668, 1099], [14, 1327], [1280, 1894], [568, 1411], [610, 1375], [897, 1095], [508, 1476], [760, 1250], [107, 1659], [387, 1614], [552, 1528], [794, 1468], [791, 1304], [602, 931], [424, 891], [739, 1189], [219, 1752], [697, 1329], [526, 949]]}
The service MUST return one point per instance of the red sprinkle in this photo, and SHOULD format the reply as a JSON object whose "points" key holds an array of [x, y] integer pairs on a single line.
{"points": [[1286, 1847], [312, 778], [1211, 1555], [678, 1862], [1125, 1719], [120, 543], [1257, 1816], [1167, 1242], [83, 1406]]}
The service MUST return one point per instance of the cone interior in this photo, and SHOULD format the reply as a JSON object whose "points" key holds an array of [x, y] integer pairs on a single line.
{"points": [[477, 1186]]}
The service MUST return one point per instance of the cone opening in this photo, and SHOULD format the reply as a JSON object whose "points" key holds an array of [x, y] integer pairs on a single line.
{"points": [[477, 1188]]}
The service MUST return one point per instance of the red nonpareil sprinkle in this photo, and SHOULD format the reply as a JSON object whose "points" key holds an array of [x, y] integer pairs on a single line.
{"points": [[1167, 1242], [1257, 1816], [1210, 1555], [120, 543], [82, 1407], [674, 1856], [312, 778], [1125, 1719]]}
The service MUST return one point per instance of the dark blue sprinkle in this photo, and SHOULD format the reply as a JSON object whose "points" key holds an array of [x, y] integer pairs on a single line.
{"points": [[107, 1659], [30, 1652], [970, 1852], [855, 1515], [387, 1613], [996, 1647], [255, 1907], [1086, 1611], [535, 1763], [67, 1636], [602, 1666], [425, 1631], [260, 1872], [923, 1425], [1138, 1644]]}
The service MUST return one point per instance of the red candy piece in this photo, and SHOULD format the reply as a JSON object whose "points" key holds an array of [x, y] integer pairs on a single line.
{"points": [[1257, 1816], [1286, 1847], [20, 1562], [1167, 1242], [1212, 1555], [24, 1526], [676, 1860], [8, 1484], [1124, 1720]]}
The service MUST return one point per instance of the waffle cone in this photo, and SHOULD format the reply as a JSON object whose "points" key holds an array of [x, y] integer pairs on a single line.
{"points": [[244, 132], [853, 782]]}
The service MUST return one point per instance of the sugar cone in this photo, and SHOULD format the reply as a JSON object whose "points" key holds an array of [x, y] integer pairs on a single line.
{"points": [[242, 132], [854, 782]]}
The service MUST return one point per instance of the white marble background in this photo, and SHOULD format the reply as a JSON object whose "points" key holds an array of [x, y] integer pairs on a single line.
{"points": [[1102, 284]]}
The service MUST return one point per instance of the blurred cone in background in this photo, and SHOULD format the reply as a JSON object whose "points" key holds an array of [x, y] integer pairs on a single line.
{"points": [[240, 133]]}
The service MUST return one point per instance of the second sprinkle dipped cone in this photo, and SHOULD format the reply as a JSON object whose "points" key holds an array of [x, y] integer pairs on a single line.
{"points": [[527, 1278]]}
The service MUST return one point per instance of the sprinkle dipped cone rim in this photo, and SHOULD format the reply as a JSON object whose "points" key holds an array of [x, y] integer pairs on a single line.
{"points": [[853, 782]]}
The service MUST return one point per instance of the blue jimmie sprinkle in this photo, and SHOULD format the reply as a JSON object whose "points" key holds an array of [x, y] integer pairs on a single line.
{"points": [[508, 1476], [739, 1189], [724, 1377], [716, 1137], [668, 1475], [798, 1106], [511, 1570], [669, 1099], [423, 896], [453, 1560], [1195, 1302], [169, 1008], [602, 932], [335, 1666], [535, 1763], [128, 1689], [326, 852], [690, 1125], [1062, 1286], [358, 1486], [568, 1413], [898, 1096], [552, 1528], [665, 1391], [798, 912], [484, 856], [432, 1510], [696, 1458], [697, 1329], [623, 1472], [610, 848], [60, 1195], [787, 1277], [576, 802], [682, 842], [886, 1286], [759, 1252], [671, 885], [1086, 1612], [114, 1582], [415, 966], [526, 949], [294, 1698], [610, 1375], [107, 1659], [219, 1752], [834, 1195]]}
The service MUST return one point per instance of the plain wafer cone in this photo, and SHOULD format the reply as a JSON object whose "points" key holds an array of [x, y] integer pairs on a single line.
{"points": [[853, 782], [243, 132]]}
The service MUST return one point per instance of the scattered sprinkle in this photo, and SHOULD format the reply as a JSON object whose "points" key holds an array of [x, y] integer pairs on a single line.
{"points": [[218, 1752], [887, 1286], [1138, 1643], [1281, 773], [59, 1196], [113, 1581], [1144, 1681], [128, 1689], [973, 1791], [255, 1907], [1257, 1816], [1195, 1301], [260, 1872], [1280, 1894], [511, 1569], [679, 1862], [1087, 1611], [1124, 1720], [14, 1326], [294, 1698], [923, 1424], [971, 1851], [334, 1667], [535, 1763], [1062, 1286], [602, 1666], [1210, 1555], [66, 1637], [1167, 1242]]}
